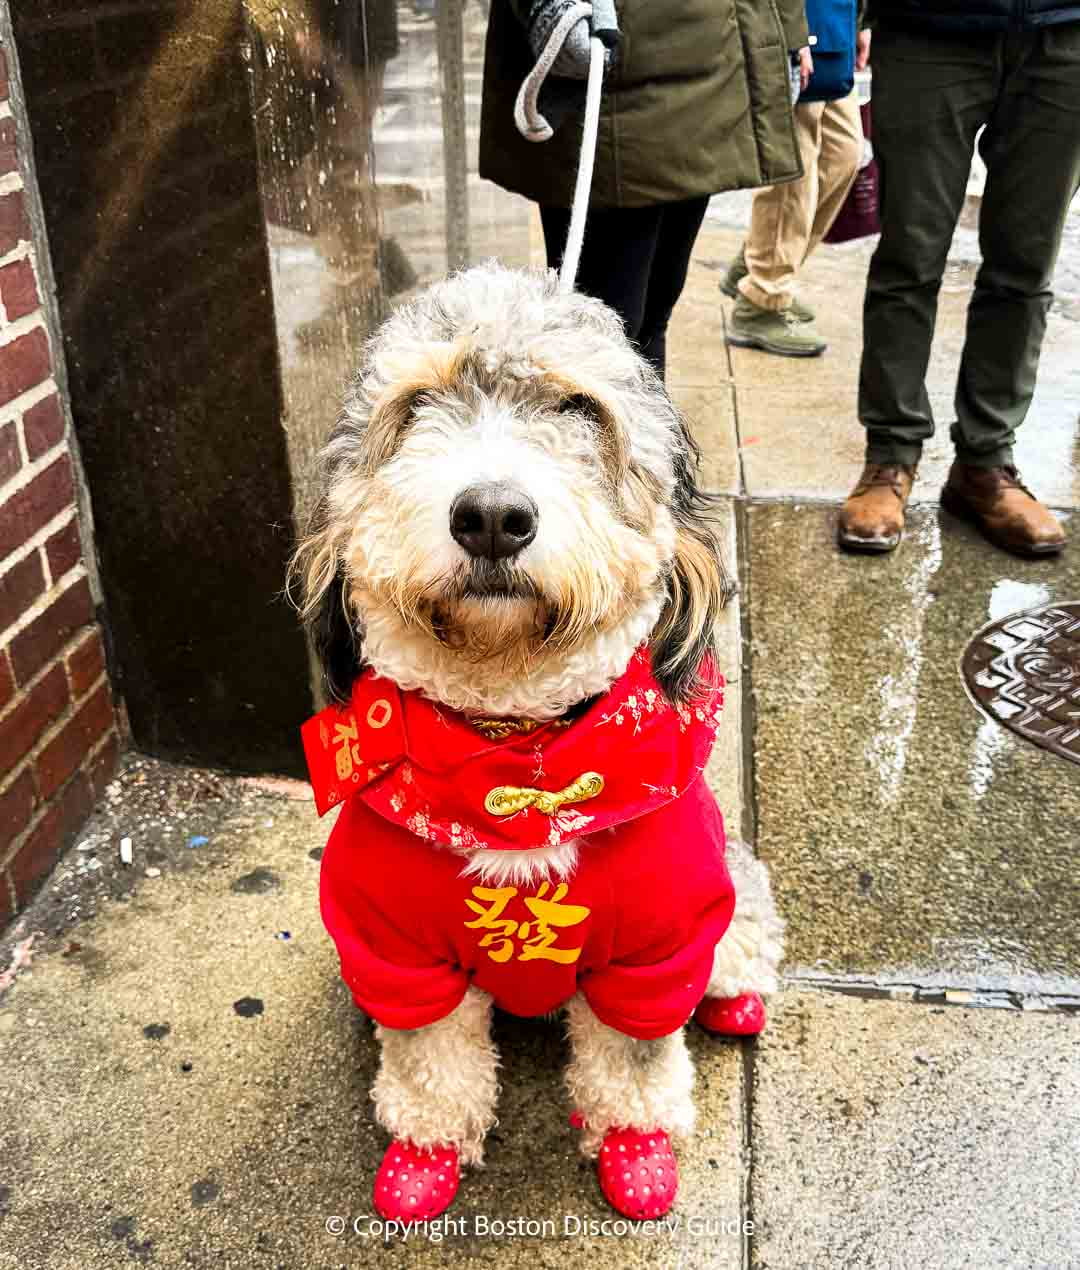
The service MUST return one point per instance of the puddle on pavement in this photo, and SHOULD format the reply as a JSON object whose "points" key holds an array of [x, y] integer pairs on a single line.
{"points": [[911, 838]]}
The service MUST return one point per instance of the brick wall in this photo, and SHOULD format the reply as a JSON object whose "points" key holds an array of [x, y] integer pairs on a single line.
{"points": [[58, 727]]}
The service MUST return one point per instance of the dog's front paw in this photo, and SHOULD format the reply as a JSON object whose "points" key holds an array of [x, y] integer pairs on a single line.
{"points": [[732, 1016], [415, 1184], [638, 1172]]}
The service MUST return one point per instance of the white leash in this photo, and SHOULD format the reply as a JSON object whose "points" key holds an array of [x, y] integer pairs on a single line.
{"points": [[580, 206], [532, 125]]}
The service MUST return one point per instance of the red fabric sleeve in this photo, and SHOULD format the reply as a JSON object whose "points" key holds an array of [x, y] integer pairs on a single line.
{"points": [[389, 972], [657, 999], [662, 958]]}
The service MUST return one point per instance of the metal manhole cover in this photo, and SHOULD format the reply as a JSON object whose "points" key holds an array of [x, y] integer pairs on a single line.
{"points": [[1024, 671]]}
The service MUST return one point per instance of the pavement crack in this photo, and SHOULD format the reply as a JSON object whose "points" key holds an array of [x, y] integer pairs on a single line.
{"points": [[748, 826], [937, 994], [748, 1056], [748, 713]]}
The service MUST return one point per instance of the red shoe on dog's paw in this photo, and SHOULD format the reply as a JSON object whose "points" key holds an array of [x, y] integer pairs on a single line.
{"points": [[638, 1172], [415, 1184], [732, 1016]]}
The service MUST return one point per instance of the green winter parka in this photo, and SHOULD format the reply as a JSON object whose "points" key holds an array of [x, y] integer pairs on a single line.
{"points": [[698, 102]]}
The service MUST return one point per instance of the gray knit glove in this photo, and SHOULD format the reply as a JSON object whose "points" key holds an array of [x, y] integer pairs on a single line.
{"points": [[540, 17], [563, 93]]}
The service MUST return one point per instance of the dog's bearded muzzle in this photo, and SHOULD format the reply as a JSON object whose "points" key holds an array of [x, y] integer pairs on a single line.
{"points": [[493, 580], [490, 608], [489, 605]]}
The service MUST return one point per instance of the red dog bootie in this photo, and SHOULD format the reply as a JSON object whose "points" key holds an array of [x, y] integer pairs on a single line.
{"points": [[732, 1016], [638, 1172], [415, 1184]]}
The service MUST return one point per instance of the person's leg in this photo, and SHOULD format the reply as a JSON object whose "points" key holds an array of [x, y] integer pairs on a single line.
{"points": [[555, 222], [931, 95], [767, 314], [616, 257], [781, 221], [839, 156], [678, 230], [1032, 151]]}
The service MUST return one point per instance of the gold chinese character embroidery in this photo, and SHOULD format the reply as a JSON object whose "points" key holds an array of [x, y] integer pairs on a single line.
{"points": [[346, 742], [537, 938], [500, 931]]}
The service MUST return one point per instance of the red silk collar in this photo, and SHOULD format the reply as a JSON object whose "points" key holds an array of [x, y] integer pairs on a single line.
{"points": [[426, 768]]}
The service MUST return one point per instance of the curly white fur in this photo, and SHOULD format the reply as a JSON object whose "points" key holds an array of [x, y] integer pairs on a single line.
{"points": [[617, 1081], [547, 691], [523, 330], [437, 1085], [748, 957]]}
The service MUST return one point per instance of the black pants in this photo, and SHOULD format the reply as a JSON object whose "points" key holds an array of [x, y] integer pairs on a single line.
{"points": [[932, 94], [634, 259]]}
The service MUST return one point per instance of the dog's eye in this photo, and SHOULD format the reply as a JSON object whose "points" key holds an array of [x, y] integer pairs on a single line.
{"points": [[604, 428], [580, 404]]}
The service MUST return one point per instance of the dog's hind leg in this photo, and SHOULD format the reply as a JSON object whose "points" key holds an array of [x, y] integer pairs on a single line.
{"points": [[435, 1092], [747, 959]]}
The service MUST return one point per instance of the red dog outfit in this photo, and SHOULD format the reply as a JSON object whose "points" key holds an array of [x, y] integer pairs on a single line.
{"points": [[633, 928]]}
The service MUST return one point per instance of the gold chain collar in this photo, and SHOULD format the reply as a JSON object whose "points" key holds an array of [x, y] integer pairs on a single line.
{"points": [[500, 729]]}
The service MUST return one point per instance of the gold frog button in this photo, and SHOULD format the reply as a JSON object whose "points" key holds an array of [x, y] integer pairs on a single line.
{"points": [[505, 800]]}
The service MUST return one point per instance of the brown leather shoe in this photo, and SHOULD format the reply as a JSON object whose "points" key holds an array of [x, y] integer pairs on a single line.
{"points": [[1003, 509], [872, 518]]}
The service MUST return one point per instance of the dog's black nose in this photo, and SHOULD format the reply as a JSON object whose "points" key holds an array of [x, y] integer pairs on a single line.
{"points": [[493, 520]]}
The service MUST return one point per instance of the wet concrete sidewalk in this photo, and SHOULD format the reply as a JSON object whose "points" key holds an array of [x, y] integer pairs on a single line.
{"points": [[185, 1082]]}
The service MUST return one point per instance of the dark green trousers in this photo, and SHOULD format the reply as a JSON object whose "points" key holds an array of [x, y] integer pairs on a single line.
{"points": [[932, 94]]}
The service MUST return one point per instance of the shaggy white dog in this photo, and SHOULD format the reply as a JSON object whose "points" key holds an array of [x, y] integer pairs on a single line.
{"points": [[508, 512]]}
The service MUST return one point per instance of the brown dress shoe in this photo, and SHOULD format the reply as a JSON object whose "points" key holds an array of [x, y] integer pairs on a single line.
{"points": [[872, 518], [997, 502]]}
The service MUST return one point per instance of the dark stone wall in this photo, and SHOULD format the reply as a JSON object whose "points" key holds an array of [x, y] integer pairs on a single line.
{"points": [[146, 163]]}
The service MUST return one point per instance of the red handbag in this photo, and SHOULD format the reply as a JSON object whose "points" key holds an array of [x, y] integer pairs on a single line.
{"points": [[858, 216]]}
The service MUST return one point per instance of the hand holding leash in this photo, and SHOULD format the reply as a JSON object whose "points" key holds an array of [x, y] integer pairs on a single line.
{"points": [[534, 126], [561, 34], [542, 17]]}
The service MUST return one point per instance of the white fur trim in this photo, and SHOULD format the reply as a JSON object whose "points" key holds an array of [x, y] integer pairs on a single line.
{"points": [[437, 1085], [523, 868], [748, 957], [619, 1082]]}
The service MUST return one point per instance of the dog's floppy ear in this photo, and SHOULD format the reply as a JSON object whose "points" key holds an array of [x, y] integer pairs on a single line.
{"points": [[323, 604], [698, 584], [336, 641]]}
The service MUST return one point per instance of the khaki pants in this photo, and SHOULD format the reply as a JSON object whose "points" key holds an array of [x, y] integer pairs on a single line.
{"points": [[788, 221]]}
